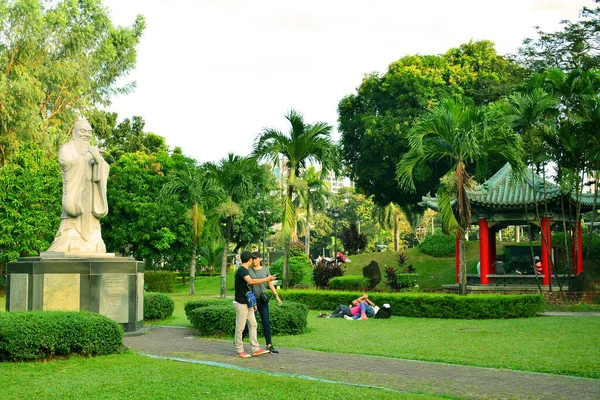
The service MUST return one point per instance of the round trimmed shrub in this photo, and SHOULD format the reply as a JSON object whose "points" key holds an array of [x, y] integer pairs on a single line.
{"points": [[438, 245], [158, 306], [192, 305], [219, 319], [39, 335]]}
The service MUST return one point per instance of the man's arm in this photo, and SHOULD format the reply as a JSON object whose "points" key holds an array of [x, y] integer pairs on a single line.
{"points": [[251, 281]]}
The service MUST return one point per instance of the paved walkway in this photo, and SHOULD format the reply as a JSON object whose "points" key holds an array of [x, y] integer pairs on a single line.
{"points": [[402, 375]]}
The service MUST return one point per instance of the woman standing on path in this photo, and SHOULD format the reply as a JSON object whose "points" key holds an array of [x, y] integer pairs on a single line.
{"points": [[258, 271]]}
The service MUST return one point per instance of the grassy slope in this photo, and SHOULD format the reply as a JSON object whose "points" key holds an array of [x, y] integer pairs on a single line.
{"points": [[434, 271]]}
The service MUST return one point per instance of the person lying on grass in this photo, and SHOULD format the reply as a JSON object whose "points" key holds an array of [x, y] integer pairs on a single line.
{"points": [[354, 309]]}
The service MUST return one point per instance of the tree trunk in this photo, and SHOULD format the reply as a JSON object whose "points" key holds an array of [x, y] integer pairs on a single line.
{"points": [[286, 265], [193, 271], [463, 267], [224, 260], [396, 232], [307, 235]]}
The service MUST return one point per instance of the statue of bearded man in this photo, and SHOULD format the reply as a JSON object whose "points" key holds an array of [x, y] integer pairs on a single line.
{"points": [[84, 174]]}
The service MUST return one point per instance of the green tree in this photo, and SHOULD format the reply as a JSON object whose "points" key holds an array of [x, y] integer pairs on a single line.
{"points": [[125, 137], [462, 135], [313, 198], [375, 121], [576, 46], [138, 225], [198, 190], [237, 178], [59, 59], [305, 143], [30, 205]]}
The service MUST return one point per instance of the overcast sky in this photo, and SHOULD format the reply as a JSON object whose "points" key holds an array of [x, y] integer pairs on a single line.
{"points": [[212, 74]]}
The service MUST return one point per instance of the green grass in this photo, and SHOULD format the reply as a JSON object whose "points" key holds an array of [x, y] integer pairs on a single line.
{"points": [[557, 345], [129, 376]]}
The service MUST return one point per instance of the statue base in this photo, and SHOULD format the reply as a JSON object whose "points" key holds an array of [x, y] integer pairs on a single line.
{"points": [[104, 284]]}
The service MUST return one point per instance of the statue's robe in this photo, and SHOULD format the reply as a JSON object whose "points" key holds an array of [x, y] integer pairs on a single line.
{"points": [[83, 202]]}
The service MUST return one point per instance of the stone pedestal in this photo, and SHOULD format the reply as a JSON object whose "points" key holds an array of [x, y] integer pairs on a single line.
{"points": [[111, 286]]}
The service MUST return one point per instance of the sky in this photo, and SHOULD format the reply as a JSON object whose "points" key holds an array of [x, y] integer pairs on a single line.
{"points": [[211, 75]]}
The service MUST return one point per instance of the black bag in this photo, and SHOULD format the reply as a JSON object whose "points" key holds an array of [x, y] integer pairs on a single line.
{"points": [[384, 312], [264, 297]]}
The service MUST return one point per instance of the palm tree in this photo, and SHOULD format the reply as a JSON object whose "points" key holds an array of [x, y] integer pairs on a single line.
{"points": [[389, 218], [313, 198], [197, 189], [237, 178], [304, 144], [460, 134]]}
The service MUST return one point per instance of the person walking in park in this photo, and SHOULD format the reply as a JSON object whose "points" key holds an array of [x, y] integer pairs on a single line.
{"points": [[258, 271], [243, 313]]}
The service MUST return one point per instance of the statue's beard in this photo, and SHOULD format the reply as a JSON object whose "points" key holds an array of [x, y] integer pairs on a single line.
{"points": [[82, 146]]}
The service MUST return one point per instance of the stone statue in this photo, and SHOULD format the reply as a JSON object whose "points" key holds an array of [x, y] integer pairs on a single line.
{"points": [[84, 174]]}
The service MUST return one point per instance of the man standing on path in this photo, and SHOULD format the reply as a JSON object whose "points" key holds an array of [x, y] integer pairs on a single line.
{"points": [[243, 313]]}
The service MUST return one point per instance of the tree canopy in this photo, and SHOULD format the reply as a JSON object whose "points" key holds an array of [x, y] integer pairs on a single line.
{"points": [[58, 60], [374, 121]]}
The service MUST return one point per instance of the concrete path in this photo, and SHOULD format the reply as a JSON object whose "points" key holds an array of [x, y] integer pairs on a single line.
{"points": [[403, 375]]}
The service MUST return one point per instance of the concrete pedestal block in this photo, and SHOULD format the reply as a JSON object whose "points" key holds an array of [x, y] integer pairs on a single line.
{"points": [[111, 286]]}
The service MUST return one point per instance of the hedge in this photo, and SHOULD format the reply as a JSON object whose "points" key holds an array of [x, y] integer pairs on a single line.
{"points": [[428, 305], [192, 305], [219, 319], [350, 282], [161, 281], [39, 335], [158, 306]]}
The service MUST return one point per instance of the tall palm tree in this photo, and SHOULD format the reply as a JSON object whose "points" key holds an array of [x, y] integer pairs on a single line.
{"points": [[389, 218], [197, 189], [313, 198], [236, 177], [304, 144], [460, 134]]}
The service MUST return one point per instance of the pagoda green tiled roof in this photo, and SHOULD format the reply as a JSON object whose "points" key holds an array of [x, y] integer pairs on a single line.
{"points": [[507, 190]]}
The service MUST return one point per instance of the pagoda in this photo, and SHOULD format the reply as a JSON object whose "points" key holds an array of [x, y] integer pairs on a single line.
{"points": [[510, 199]]}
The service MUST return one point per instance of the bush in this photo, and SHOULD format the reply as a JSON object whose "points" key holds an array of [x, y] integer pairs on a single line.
{"points": [[192, 305], [161, 281], [408, 280], [158, 306], [219, 319], [439, 245], [428, 305], [351, 282], [558, 241], [323, 272], [298, 267], [38, 335]]}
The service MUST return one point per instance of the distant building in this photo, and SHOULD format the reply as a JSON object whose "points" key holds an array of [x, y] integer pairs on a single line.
{"points": [[335, 184]]}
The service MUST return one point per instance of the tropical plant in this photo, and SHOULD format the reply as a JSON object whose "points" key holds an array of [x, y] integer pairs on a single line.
{"points": [[461, 135], [198, 190], [304, 144], [238, 178], [314, 198]]}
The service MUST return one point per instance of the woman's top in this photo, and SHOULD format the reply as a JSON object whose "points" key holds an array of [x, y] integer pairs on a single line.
{"points": [[259, 274]]}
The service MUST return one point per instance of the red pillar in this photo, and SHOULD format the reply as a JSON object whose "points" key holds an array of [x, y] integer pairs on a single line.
{"points": [[578, 250], [458, 258], [546, 250], [484, 251], [492, 251]]}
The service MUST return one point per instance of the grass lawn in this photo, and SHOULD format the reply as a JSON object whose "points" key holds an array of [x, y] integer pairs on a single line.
{"points": [[129, 376], [558, 345]]}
